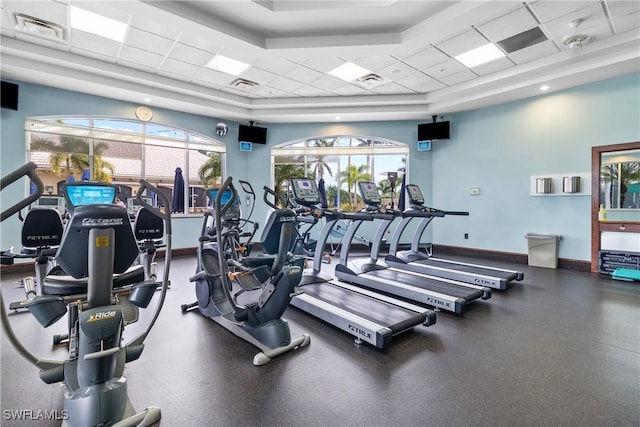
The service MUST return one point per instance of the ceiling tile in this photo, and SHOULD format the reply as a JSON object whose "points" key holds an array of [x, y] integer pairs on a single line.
{"points": [[462, 43], [201, 39], [621, 8], [139, 56], [303, 74], [285, 84], [137, 66], [350, 90], [270, 92], [396, 71], [327, 82], [391, 88], [213, 77], [493, 66], [426, 59], [180, 68], [93, 43], [157, 25], [376, 62], [276, 65], [454, 79], [148, 42], [450, 66], [624, 23], [534, 52], [190, 54], [323, 65], [550, 10], [420, 82], [42, 41], [508, 25], [173, 76], [308, 90]]}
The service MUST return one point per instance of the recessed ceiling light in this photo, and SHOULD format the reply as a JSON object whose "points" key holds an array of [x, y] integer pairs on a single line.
{"points": [[227, 65], [349, 71], [480, 55], [146, 99], [93, 23], [544, 87], [337, 117]]}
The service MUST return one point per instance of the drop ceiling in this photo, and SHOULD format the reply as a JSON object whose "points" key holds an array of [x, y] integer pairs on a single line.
{"points": [[409, 47]]}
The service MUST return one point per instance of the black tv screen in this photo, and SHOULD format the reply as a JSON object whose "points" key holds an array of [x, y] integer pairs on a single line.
{"points": [[255, 134], [9, 95], [430, 131]]}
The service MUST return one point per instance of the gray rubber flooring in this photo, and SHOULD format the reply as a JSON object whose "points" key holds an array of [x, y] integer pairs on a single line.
{"points": [[561, 348]]}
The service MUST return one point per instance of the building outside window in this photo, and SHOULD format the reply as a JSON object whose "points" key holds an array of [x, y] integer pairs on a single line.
{"points": [[341, 161], [122, 152]]}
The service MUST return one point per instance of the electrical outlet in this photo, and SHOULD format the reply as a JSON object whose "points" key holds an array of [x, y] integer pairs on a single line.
{"points": [[466, 235]]}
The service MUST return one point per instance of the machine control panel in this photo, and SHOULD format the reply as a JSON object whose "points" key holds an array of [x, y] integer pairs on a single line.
{"points": [[133, 206], [415, 195], [50, 202], [305, 191], [370, 193], [81, 193]]}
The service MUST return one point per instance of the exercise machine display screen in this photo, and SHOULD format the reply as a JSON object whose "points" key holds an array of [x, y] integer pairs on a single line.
{"points": [[133, 206], [415, 195], [369, 192], [226, 196], [50, 202], [305, 191], [88, 194]]}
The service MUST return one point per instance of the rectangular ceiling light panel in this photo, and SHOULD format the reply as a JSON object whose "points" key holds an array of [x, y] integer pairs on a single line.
{"points": [[480, 55], [90, 22], [349, 72], [227, 65]]}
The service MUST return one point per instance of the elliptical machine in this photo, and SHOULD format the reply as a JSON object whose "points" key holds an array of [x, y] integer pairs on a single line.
{"points": [[97, 243], [248, 305]]}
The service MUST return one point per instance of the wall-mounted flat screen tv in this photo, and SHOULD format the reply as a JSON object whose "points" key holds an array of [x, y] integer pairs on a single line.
{"points": [[9, 93], [255, 134], [431, 131]]}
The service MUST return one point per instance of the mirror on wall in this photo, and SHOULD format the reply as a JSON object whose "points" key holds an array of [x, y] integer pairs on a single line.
{"points": [[620, 180]]}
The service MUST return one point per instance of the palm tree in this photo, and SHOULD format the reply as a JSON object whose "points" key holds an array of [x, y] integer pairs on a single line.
{"points": [[321, 165], [71, 157], [211, 170], [352, 174]]}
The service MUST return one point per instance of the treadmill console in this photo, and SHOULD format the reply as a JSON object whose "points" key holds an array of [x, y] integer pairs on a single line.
{"points": [[305, 191], [415, 195], [370, 194], [50, 202]]}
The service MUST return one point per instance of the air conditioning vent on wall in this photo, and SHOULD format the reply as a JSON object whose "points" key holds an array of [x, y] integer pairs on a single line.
{"points": [[39, 27]]}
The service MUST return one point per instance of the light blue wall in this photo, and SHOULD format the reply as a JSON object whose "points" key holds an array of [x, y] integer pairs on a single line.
{"points": [[499, 148], [496, 149], [254, 166]]}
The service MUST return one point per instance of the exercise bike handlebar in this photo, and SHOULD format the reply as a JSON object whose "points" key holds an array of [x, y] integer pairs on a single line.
{"points": [[27, 170], [270, 192], [461, 213]]}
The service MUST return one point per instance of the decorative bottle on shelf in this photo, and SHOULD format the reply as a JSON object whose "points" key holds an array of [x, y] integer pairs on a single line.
{"points": [[602, 214]]}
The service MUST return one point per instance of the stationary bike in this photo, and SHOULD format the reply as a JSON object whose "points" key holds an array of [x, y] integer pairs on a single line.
{"points": [[97, 242], [249, 305]]}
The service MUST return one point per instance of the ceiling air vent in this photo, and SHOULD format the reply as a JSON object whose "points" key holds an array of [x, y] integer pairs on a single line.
{"points": [[370, 80], [39, 27], [522, 40], [243, 84]]}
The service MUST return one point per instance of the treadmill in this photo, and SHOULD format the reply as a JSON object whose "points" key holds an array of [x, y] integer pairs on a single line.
{"points": [[437, 292], [417, 261], [370, 317]]}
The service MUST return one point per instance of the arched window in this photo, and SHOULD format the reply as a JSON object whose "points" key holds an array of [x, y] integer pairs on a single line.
{"points": [[123, 151], [341, 161]]}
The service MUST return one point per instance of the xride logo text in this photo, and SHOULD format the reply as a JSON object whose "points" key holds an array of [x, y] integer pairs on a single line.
{"points": [[103, 315], [92, 222]]}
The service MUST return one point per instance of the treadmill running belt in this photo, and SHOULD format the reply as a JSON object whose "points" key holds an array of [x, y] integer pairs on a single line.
{"points": [[468, 294], [371, 309], [507, 275]]}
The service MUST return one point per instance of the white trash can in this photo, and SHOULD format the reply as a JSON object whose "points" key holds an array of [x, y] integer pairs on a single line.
{"points": [[543, 249]]}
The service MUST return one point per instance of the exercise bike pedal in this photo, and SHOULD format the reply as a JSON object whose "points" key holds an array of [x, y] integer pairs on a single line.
{"points": [[186, 307]]}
